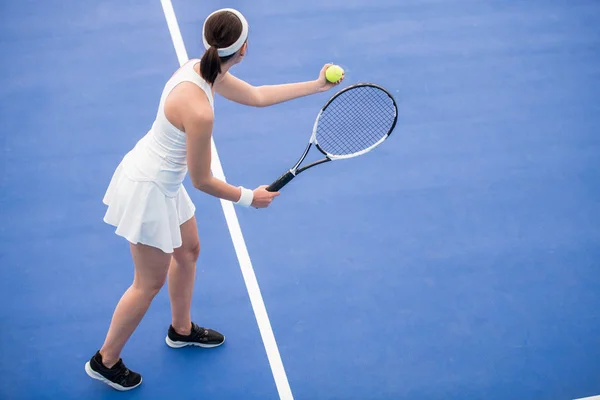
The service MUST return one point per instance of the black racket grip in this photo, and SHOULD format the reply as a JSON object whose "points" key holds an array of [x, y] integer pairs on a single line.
{"points": [[281, 182]]}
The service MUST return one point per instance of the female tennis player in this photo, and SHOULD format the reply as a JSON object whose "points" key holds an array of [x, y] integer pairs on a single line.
{"points": [[149, 206]]}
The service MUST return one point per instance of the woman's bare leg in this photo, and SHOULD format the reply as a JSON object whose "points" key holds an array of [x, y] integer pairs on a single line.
{"points": [[151, 266], [182, 275]]}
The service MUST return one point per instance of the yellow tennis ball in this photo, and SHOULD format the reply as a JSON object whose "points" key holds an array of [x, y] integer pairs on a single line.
{"points": [[334, 73]]}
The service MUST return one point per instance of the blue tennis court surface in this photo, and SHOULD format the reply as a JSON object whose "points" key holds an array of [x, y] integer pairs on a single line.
{"points": [[460, 260]]}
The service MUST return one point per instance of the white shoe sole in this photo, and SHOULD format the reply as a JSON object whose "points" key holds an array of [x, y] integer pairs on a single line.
{"points": [[93, 374], [178, 345]]}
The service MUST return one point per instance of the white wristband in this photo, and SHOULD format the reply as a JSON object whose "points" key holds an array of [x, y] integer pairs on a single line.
{"points": [[246, 198]]}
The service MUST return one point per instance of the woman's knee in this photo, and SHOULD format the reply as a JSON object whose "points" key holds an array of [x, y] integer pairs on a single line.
{"points": [[188, 253], [151, 268], [150, 285], [190, 248], [194, 251]]}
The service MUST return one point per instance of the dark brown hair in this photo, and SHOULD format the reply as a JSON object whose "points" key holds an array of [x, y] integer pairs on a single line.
{"points": [[222, 30]]}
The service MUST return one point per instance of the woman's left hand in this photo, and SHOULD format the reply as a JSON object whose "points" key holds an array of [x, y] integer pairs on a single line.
{"points": [[324, 84]]}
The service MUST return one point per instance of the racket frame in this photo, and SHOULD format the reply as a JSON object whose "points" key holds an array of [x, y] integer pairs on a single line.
{"points": [[295, 170]]}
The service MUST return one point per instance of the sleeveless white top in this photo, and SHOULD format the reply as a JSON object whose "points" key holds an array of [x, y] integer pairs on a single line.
{"points": [[160, 156]]}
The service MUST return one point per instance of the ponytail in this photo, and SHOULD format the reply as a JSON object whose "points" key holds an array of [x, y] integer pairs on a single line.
{"points": [[210, 65]]}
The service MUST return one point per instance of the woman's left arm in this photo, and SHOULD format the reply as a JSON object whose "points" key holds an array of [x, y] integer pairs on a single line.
{"points": [[237, 90]]}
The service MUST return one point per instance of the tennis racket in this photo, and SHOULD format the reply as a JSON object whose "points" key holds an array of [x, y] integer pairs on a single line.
{"points": [[353, 122]]}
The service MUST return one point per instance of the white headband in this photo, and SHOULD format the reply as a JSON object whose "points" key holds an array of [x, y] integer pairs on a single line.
{"points": [[227, 51]]}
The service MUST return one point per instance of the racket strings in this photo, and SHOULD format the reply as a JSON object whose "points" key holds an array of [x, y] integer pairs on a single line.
{"points": [[355, 120]]}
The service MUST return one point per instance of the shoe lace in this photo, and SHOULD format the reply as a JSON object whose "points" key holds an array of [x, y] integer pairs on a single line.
{"points": [[122, 372], [200, 333]]}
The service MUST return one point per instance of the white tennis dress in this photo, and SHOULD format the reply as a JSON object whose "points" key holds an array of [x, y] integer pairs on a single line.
{"points": [[146, 199]]}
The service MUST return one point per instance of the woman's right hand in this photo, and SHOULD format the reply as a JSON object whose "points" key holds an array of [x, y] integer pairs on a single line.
{"points": [[262, 197]]}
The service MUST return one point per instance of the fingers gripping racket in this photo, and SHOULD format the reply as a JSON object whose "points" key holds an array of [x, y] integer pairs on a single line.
{"points": [[353, 122]]}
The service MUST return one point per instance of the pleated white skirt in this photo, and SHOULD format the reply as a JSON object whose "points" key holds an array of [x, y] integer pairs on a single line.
{"points": [[142, 213]]}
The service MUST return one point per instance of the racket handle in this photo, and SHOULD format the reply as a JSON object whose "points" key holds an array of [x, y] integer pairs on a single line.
{"points": [[281, 182]]}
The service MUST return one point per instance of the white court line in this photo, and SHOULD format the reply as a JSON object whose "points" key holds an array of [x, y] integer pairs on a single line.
{"points": [[590, 398], [258, 305]]}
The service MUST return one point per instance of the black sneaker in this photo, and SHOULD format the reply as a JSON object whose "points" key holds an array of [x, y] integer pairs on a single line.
{"points": [[202, 337], [118, 377]]}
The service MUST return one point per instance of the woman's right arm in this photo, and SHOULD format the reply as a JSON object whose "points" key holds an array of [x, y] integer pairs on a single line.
{"points": [[198, 124], [198, 128]]}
